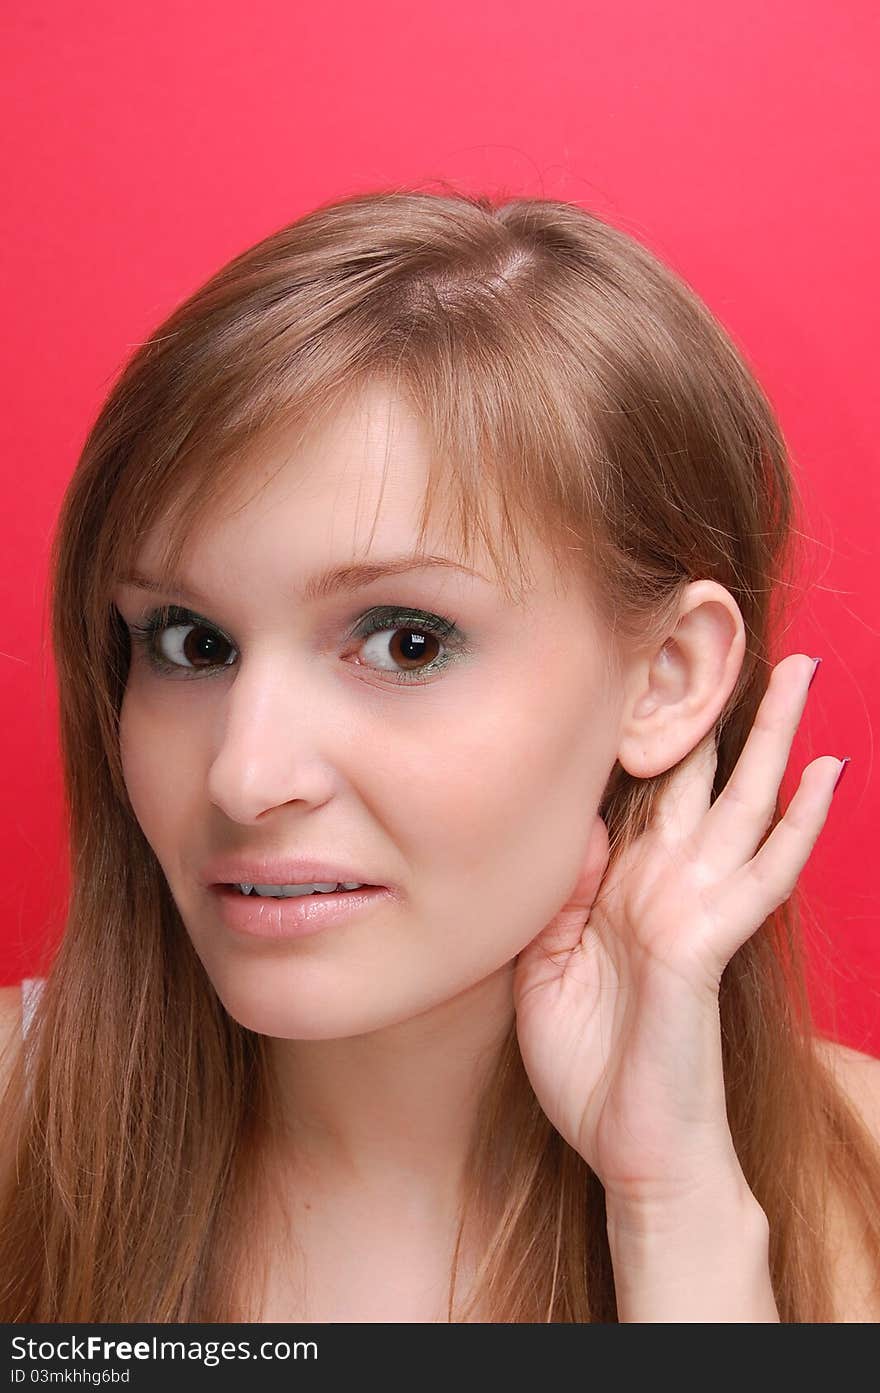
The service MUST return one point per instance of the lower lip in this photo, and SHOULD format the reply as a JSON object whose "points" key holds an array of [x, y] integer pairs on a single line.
{"points": [[264, 916]]}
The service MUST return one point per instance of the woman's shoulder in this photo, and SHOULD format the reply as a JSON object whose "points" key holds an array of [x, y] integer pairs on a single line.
{"points": [[10, 1011], [858, 1075], [854, 1277], [10, 1026]]}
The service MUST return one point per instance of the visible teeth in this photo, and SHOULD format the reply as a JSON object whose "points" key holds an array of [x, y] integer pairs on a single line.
{"points": [[291, 891]]}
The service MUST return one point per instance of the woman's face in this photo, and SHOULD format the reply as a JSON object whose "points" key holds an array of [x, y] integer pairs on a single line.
{"points": [[470, 787]]}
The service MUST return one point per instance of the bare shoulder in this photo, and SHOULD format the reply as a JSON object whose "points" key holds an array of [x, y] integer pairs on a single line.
{"points": [[856, 1286], [859, 1075], [10, 1014], [10, 1029]]}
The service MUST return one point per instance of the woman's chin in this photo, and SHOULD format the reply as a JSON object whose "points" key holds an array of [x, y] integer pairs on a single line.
{"points": [[293, 1019]]}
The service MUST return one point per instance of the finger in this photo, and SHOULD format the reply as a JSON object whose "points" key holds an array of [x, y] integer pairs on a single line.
{"points": [[741, 903], [731, 830], [685, 801]]}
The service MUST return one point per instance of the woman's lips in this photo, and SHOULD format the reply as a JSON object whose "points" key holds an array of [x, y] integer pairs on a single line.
{"points": [[272, 916]]}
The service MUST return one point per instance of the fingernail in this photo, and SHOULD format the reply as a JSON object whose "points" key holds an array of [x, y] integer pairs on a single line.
{"points": [[841, 774], [815, 670]]}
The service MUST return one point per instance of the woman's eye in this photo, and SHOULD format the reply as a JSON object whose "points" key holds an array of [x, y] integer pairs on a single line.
{"points": [[403, 650], [406, 646], [191, 645]]}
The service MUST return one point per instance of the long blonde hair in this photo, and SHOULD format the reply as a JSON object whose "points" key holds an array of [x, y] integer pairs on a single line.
{"points": [[567, 375]]}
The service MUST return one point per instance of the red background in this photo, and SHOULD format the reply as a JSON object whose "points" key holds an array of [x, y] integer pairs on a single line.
{"points": [[143, 146]]}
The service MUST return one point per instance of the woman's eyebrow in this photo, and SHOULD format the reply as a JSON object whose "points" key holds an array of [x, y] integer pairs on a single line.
{"points": [[330, 582]]}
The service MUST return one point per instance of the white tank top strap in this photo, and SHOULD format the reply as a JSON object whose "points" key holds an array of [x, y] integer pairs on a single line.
{"points": [[30, 991]]}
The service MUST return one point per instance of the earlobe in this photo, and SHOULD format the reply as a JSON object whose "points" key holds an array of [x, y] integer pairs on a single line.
{"points": [[654, 745]]}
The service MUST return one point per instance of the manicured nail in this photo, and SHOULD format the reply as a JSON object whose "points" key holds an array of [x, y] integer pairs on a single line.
{"points": [[842, 772], [815, 670]]}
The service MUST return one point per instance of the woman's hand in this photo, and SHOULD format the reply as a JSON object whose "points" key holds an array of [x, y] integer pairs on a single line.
{"points": [[617, 997]]}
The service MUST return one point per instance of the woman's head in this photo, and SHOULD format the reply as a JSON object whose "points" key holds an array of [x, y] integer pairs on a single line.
{"points": [[529, 392], [525, 391]]}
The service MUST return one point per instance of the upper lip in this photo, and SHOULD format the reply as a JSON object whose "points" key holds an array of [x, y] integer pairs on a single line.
{"points": [[273, 870]]}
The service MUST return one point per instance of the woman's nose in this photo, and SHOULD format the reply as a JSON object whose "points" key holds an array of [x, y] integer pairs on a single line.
{"points": [[276, 747]]}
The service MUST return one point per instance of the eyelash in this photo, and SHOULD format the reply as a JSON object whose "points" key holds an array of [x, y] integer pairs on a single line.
{"points": [[173, 616]]}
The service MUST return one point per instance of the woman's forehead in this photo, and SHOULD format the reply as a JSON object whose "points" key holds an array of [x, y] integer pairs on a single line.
{"points": [[359, 487]]}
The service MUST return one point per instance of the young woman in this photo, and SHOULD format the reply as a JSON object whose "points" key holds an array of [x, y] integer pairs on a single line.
{"points": [[553, 1061]]}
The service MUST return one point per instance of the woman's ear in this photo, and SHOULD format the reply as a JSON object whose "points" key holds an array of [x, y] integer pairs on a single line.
{"points": [[675, 696]]}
